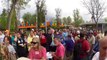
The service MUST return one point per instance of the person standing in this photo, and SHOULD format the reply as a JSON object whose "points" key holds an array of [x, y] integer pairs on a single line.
{"points": [[91, 39], [1, 37], [49, 40], [37, 52], [36, 34], [102, 54], [52, 46], [69, 44], [60, 50], [21, 46], [12, 39], [95, 48], [81, 48], [65, 34], [22, 32], [11, 53], [29, 39], [43, 39]]}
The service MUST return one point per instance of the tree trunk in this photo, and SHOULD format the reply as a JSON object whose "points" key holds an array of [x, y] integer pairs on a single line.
{"points": [[9, 19], [10, 14], [96, 25], [16, 22], [97, 22], [16, 25]]}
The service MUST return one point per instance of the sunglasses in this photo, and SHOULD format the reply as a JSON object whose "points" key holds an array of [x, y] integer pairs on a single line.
{"points": [[34, 42]]}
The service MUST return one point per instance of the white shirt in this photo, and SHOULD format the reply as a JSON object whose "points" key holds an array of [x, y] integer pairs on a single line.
{"points": [[1, 38], [11, 49], [96, 56], [36, 36], [92, 39]]}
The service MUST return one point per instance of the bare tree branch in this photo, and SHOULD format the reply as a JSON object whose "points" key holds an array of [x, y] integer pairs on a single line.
{"points": [[96, 8]]}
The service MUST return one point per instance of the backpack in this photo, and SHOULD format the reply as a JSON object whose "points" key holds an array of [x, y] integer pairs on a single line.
{"points": [[78, 48]]}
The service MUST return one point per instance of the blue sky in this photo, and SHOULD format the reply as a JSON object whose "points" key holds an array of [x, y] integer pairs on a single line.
{"points": [[67, 7]]}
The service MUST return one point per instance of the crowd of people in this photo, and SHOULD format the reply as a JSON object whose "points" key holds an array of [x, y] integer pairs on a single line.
{"points": [[62, 44]]}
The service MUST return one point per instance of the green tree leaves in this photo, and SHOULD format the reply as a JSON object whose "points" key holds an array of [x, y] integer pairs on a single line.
{"points": [[41, 11], [3, 19], [67, 20], [77, 18], [30, 18]]}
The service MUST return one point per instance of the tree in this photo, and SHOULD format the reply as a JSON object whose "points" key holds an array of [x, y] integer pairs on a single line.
{"points": [[64, 20], [13, 21], [3, 20], [105, 19], [77, 18], [19, 6], [69, 20], [12, 10], [58, 14], [41, 12], [28, 17], [33, 19], [96, 8]]}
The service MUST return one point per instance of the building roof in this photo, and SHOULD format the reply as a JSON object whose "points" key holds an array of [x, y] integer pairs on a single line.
{"points": [[102, 21]]}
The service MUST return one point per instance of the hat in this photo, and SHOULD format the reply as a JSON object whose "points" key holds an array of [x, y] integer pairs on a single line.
{"points": [[7, 31]]}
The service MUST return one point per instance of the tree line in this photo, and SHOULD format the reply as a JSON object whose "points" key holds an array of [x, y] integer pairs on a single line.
{"points": [[9, 19]]}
